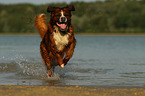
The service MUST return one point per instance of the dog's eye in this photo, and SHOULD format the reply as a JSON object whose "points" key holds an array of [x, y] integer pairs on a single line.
{"points": [[67, 15], [58, 15]]}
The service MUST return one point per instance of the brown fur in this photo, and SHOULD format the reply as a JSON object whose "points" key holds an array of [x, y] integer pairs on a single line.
{"points": [[48, 49], [40, 23]]}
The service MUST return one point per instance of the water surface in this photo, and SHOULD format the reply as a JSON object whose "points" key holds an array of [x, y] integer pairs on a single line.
{"points": [[98, 60]]}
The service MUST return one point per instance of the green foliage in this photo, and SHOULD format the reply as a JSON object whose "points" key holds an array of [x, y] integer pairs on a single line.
{"points": [[111, 16]]}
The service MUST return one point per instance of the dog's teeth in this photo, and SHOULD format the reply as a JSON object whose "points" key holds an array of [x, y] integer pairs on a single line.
{"points": [[62, 66]]}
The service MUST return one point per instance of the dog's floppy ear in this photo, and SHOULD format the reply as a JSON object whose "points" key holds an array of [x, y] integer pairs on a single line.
{"points": [[50, 9], [71, 8]]}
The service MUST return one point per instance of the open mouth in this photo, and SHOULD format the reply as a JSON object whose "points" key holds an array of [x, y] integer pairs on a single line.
{"points": [[62, 26]]}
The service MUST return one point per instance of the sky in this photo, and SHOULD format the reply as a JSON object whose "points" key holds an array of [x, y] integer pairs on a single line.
{"points": [[41, 1]]}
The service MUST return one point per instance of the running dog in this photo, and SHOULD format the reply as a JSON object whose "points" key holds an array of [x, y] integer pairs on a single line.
{"points": [[58, 41]]}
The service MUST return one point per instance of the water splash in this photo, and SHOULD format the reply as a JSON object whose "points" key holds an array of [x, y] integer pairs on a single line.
{"points": [[55, 76]]}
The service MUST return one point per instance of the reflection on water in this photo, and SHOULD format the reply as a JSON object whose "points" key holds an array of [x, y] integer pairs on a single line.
{"points": [[98, 60]]}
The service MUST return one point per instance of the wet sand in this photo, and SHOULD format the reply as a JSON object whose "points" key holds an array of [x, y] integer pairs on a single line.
{"points": [[16, 90]]}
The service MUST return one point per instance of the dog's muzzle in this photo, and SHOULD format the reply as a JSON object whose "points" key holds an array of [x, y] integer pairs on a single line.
{"points": [[62, 23], [63, 19]]}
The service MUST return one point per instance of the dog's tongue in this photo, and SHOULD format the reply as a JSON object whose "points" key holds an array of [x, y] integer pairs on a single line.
{"points": [[62, 26]]}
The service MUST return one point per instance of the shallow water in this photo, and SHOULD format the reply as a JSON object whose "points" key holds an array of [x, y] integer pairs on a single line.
{"points": [[98, 60]]}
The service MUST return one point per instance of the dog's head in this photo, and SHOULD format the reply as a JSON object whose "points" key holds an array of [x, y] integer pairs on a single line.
{"points": [[61, 17]]}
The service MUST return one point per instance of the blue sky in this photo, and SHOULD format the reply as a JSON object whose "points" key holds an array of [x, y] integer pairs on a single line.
{"points": [[40, 1]]}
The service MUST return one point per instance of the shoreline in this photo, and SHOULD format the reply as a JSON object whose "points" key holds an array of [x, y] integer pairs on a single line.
{"points": [[77, 34], [110, 34], [35, 90]]}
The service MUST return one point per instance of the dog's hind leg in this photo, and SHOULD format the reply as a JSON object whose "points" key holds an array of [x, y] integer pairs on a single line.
{"points": [[46, 58]]}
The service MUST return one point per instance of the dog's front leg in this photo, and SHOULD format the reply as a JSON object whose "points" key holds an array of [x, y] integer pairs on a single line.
{"points": [[69, 52], [59, 60]]}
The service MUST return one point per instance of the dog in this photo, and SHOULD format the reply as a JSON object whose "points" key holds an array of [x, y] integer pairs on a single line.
{"points": [[58, 41]]}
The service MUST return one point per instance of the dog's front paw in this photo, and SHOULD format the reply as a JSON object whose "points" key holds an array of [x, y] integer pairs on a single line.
{"points": [[62, 65]]}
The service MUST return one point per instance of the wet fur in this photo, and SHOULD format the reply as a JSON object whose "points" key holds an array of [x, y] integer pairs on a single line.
{"points": [[55, 46]]}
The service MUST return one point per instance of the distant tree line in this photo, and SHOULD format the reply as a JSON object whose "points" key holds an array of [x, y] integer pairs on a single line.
{"points": [[111, 16]]}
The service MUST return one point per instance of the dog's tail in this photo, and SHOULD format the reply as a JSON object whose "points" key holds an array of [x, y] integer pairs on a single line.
{"points": [[40, 24]]}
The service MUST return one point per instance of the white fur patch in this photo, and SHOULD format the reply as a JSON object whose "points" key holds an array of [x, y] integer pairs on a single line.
{"points": [[61, 40], [62, 15]]}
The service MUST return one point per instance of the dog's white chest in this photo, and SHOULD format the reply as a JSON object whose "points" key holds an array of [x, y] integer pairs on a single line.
{"points": [[60, 40]]}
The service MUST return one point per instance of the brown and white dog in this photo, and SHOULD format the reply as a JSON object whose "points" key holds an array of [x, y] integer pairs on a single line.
{"points": [[58, 41]]}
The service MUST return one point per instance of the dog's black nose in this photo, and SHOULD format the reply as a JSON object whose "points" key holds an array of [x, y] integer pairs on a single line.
{"points": [[63, 19]]}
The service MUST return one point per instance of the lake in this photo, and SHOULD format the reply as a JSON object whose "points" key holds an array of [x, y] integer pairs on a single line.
{"points": [[97, 60]]}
